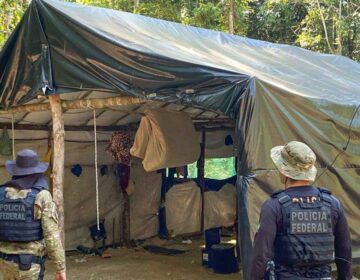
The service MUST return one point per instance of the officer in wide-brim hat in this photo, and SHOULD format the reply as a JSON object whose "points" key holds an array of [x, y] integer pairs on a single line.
{"points": [[28, 221], [26, 163], [302, 227]]}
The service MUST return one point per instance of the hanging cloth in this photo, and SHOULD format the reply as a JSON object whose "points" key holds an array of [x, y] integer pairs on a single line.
{"points": [[5, 143], [119, 147], [166, 139]]}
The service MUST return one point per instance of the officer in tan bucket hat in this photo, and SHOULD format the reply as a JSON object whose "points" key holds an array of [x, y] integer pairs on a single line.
{"points": [[295, 160], [303, 229]]}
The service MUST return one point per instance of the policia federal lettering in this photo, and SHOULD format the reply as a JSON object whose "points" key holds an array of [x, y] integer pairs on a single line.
{"points": [[309, 221], [12, 212]]}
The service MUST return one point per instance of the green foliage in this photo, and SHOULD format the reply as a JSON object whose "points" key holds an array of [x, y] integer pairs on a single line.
{"points": [[11, 12], [217, 168], [124, 5], [215, 15], [332, 26], [276, 21], [206, 15]]}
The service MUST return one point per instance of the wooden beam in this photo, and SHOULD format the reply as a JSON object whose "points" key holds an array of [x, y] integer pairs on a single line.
{"points": [[94, 103], [58, 163], [132, 126]]}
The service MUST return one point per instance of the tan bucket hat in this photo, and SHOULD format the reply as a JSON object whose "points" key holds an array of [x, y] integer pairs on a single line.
{"points": [[295, 160]]}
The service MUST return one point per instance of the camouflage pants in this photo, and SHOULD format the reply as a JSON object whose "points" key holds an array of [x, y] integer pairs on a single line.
{"points": [[11, 271]]}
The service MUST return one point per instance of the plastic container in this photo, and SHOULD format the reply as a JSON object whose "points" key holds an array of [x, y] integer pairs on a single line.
{"points": [[212, 237], [224, 259]]}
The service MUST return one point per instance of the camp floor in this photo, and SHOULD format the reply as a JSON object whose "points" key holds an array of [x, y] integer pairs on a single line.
{"points": [[139, 264]]}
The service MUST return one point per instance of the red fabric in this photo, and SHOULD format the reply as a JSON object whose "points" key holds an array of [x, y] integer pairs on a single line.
{"points": [[124, 176]]}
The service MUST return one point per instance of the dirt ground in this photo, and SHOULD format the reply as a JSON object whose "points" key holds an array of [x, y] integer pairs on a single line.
{"points": [[138, 264]]}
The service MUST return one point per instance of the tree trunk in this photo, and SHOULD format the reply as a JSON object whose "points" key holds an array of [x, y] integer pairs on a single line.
{"points": [[339, 39], [136, 5], [231, 16], [325, 28], [8, 18], [58, 161]]}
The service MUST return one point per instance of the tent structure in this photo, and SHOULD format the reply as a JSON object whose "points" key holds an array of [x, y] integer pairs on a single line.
{"points": [[68, 59]]}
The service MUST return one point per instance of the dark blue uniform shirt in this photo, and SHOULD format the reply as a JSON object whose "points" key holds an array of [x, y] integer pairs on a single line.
{"points": [[271, 222]]}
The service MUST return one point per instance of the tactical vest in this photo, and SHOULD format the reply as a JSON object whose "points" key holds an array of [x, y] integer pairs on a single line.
{"points": [[17, 223], [306, 237]]}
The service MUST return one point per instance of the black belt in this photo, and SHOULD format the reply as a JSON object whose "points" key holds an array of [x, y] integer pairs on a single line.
{"points": [[16, 258]]}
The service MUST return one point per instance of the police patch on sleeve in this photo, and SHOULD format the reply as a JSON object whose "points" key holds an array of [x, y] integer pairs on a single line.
{"points": [[310, 221]]}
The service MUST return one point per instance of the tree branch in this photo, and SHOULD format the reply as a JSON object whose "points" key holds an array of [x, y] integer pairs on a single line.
{"points": [[325, 29]]}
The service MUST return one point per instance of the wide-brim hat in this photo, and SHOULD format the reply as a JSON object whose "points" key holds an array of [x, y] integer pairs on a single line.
{"points": [[26, 163], [295, 160]]}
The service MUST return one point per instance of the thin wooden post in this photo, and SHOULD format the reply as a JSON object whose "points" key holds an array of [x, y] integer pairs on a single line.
{"points": [[126, 220], [201, 178], [50, 148], [58, 162]]}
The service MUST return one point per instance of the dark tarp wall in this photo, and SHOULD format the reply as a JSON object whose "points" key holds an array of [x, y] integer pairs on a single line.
{"points": [[278, 93], [274, 117]]}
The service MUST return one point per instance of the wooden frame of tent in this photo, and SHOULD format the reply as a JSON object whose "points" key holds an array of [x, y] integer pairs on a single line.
{"points": [[57, 106]]}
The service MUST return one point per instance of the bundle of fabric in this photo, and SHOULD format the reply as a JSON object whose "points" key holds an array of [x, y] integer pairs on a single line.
{"points": [[119, 147], [165, 139]]}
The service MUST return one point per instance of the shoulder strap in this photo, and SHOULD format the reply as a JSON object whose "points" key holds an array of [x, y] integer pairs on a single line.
{"points": [[324, 190], [30, 200], [32, 195], [285, 201], [325, 196], [2, 192]]}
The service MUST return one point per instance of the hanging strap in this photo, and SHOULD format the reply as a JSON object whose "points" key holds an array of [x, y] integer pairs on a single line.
{"points": [[96, 175], [285, 201], [13, 136]]}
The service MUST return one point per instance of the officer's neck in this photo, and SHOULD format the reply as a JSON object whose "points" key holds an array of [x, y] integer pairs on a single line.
{"points": [[296, 183]]}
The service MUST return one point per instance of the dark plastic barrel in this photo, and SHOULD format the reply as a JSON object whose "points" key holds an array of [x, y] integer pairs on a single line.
{"points": [[212, 237], [223, 259]]}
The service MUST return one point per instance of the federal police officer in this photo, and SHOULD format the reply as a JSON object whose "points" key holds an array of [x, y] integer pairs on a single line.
{"points": [[302, 228], [28, 221]]}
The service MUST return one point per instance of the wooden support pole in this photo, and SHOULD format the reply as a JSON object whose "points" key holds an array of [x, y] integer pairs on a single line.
{"points": [[95, 103], [126, 220], [58, 162], [201, 178], [50, 148]]}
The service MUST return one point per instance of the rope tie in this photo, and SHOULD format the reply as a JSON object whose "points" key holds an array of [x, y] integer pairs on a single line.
{"points": [[96, 175], [13, 136]]}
